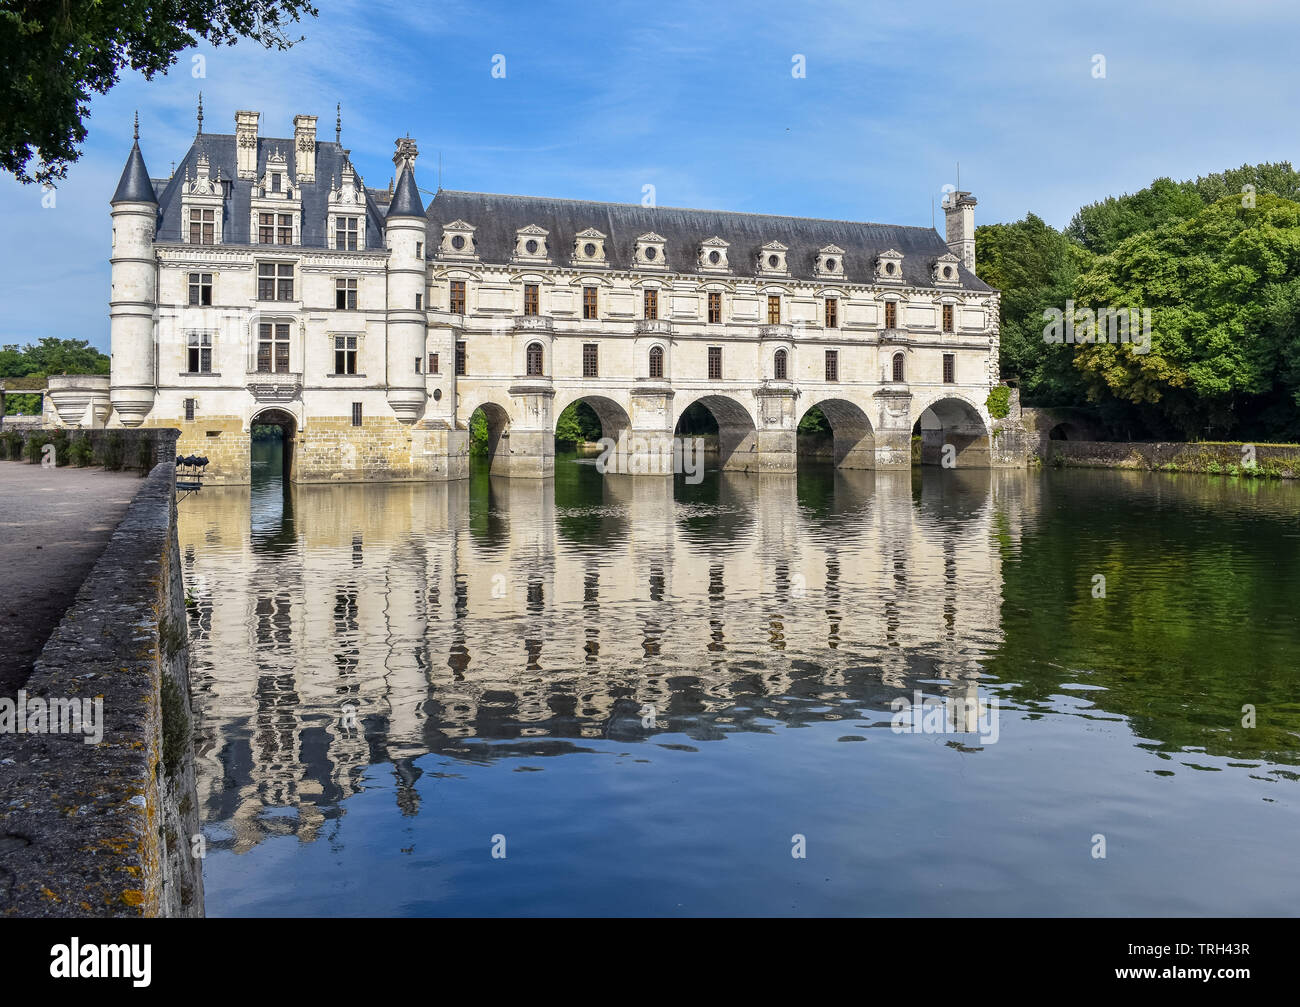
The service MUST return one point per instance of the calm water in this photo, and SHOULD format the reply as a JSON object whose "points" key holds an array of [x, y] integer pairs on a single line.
{"points": [[646, 691]]}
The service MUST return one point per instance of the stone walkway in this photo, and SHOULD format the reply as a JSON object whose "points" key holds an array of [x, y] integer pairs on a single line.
{"points": [[54, 524]]}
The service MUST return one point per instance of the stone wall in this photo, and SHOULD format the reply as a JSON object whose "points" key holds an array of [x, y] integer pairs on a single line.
{"points": [[119, 448], [106, 829], [1277, 460]]}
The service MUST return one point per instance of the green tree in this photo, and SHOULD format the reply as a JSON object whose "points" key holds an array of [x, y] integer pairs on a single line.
{"points": [[46, 357], [1035, 267], [577, 423], [54, 56], [1224, 289]]}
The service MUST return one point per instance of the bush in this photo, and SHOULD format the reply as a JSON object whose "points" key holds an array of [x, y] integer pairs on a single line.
{"points": [[80, 452], [144, 455], [61, 445], [999, 402], [113, 452], [13, 441], [35, 446]]}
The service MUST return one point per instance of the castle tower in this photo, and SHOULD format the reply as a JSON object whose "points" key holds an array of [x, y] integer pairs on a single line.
{"points": [[133, 300], [404, 229], [959, 221]]}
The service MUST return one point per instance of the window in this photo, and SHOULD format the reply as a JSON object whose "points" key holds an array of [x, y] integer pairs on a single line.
{"points": [[832, 365], [345, 295], [419, 301], [273, 347], [715, 307], [201, 289], [202, 226], [345, 354], [189, 410], [456, 304], [715, 363], [345, 234], [460, 358], [532, 301], [433, 363], [652, 304], [275, 281], [898, 367], [589, 302], [949, 368], [656, 361], [891, 314], [773, 309], [266, 228], [590, 364], [832, 313], [275, 182], [419, 249], [947, 318], [356, 414], [419, 363], [200, 353], [533, 361], [779, 365], [284, 228]]}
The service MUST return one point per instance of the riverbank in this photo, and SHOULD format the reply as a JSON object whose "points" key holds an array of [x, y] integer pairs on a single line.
{"points": [[100, 817], [1267, 461]]}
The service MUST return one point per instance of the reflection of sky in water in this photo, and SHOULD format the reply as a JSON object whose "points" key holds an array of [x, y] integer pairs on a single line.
{"points": [[500, 641]]}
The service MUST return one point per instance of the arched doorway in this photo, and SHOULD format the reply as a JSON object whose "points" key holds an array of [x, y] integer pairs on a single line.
{"points": [[272, 433], [953, 435], [723, 422], [837, 432]]}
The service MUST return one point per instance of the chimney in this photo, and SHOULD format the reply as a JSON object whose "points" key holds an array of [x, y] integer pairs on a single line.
{"points": [[406, 154], [304, 146], [246, 143], [959, 218]]}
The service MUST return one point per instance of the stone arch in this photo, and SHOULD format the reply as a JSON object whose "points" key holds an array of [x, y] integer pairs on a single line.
{"points": [[284, 418], [498, 427], [737, 430], [614, 419], [951, 419], [853, 437]]}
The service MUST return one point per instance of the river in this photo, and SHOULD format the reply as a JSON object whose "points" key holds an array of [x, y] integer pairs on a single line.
{"points": [[612, 695]]}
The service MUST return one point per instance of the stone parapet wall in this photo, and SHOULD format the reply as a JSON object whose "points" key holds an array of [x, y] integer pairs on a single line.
{"points": [[108, 829], [138, 449]]}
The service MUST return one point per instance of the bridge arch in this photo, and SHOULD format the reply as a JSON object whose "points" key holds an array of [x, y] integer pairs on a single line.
{"points": [[614, 419], [283, 417], [737, 428], [853, 437], [951, 420], [498, 421]]}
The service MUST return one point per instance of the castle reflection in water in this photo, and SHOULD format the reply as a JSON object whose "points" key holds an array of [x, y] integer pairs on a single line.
{"points": [[495, 618]]}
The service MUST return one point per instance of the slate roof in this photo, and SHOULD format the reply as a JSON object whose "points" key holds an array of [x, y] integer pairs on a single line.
{"points": [[134, 185], [406, 199], [221, 151], [497, 218]]}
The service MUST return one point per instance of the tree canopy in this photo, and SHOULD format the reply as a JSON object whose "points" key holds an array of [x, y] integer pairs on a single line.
{"points": [[52, 356], [55, 55]]}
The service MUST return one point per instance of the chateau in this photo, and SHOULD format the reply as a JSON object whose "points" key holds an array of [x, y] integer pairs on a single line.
{"points": [[265, 283]]}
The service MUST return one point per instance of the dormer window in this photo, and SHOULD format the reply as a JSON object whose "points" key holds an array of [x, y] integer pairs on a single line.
{"points": [[771, 259], [531, 244], [830, 261], [202, 199], [458, 241], [650, 252], [945, 270], [589, 248], [275, 182], [889, 266], [713, 256]]}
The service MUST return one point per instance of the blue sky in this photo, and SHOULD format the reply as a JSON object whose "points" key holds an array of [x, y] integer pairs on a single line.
{"points": [[699, 100]]}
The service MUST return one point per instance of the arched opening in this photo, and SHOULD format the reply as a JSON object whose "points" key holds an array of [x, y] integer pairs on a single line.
{"points": [[779, 365], [489, 426], [837, 432], [578, 426], [533, 360], [953, 435], [656, 361], [587, 420], [271, 439], [1064, 432], [727, 429], [900, 367]]}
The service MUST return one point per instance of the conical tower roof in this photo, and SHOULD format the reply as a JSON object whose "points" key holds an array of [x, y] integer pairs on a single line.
{"points": [[406, 197], [135, 186]]}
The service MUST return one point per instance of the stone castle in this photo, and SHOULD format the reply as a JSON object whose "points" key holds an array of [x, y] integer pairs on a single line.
{"points": [[265, 283]]}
